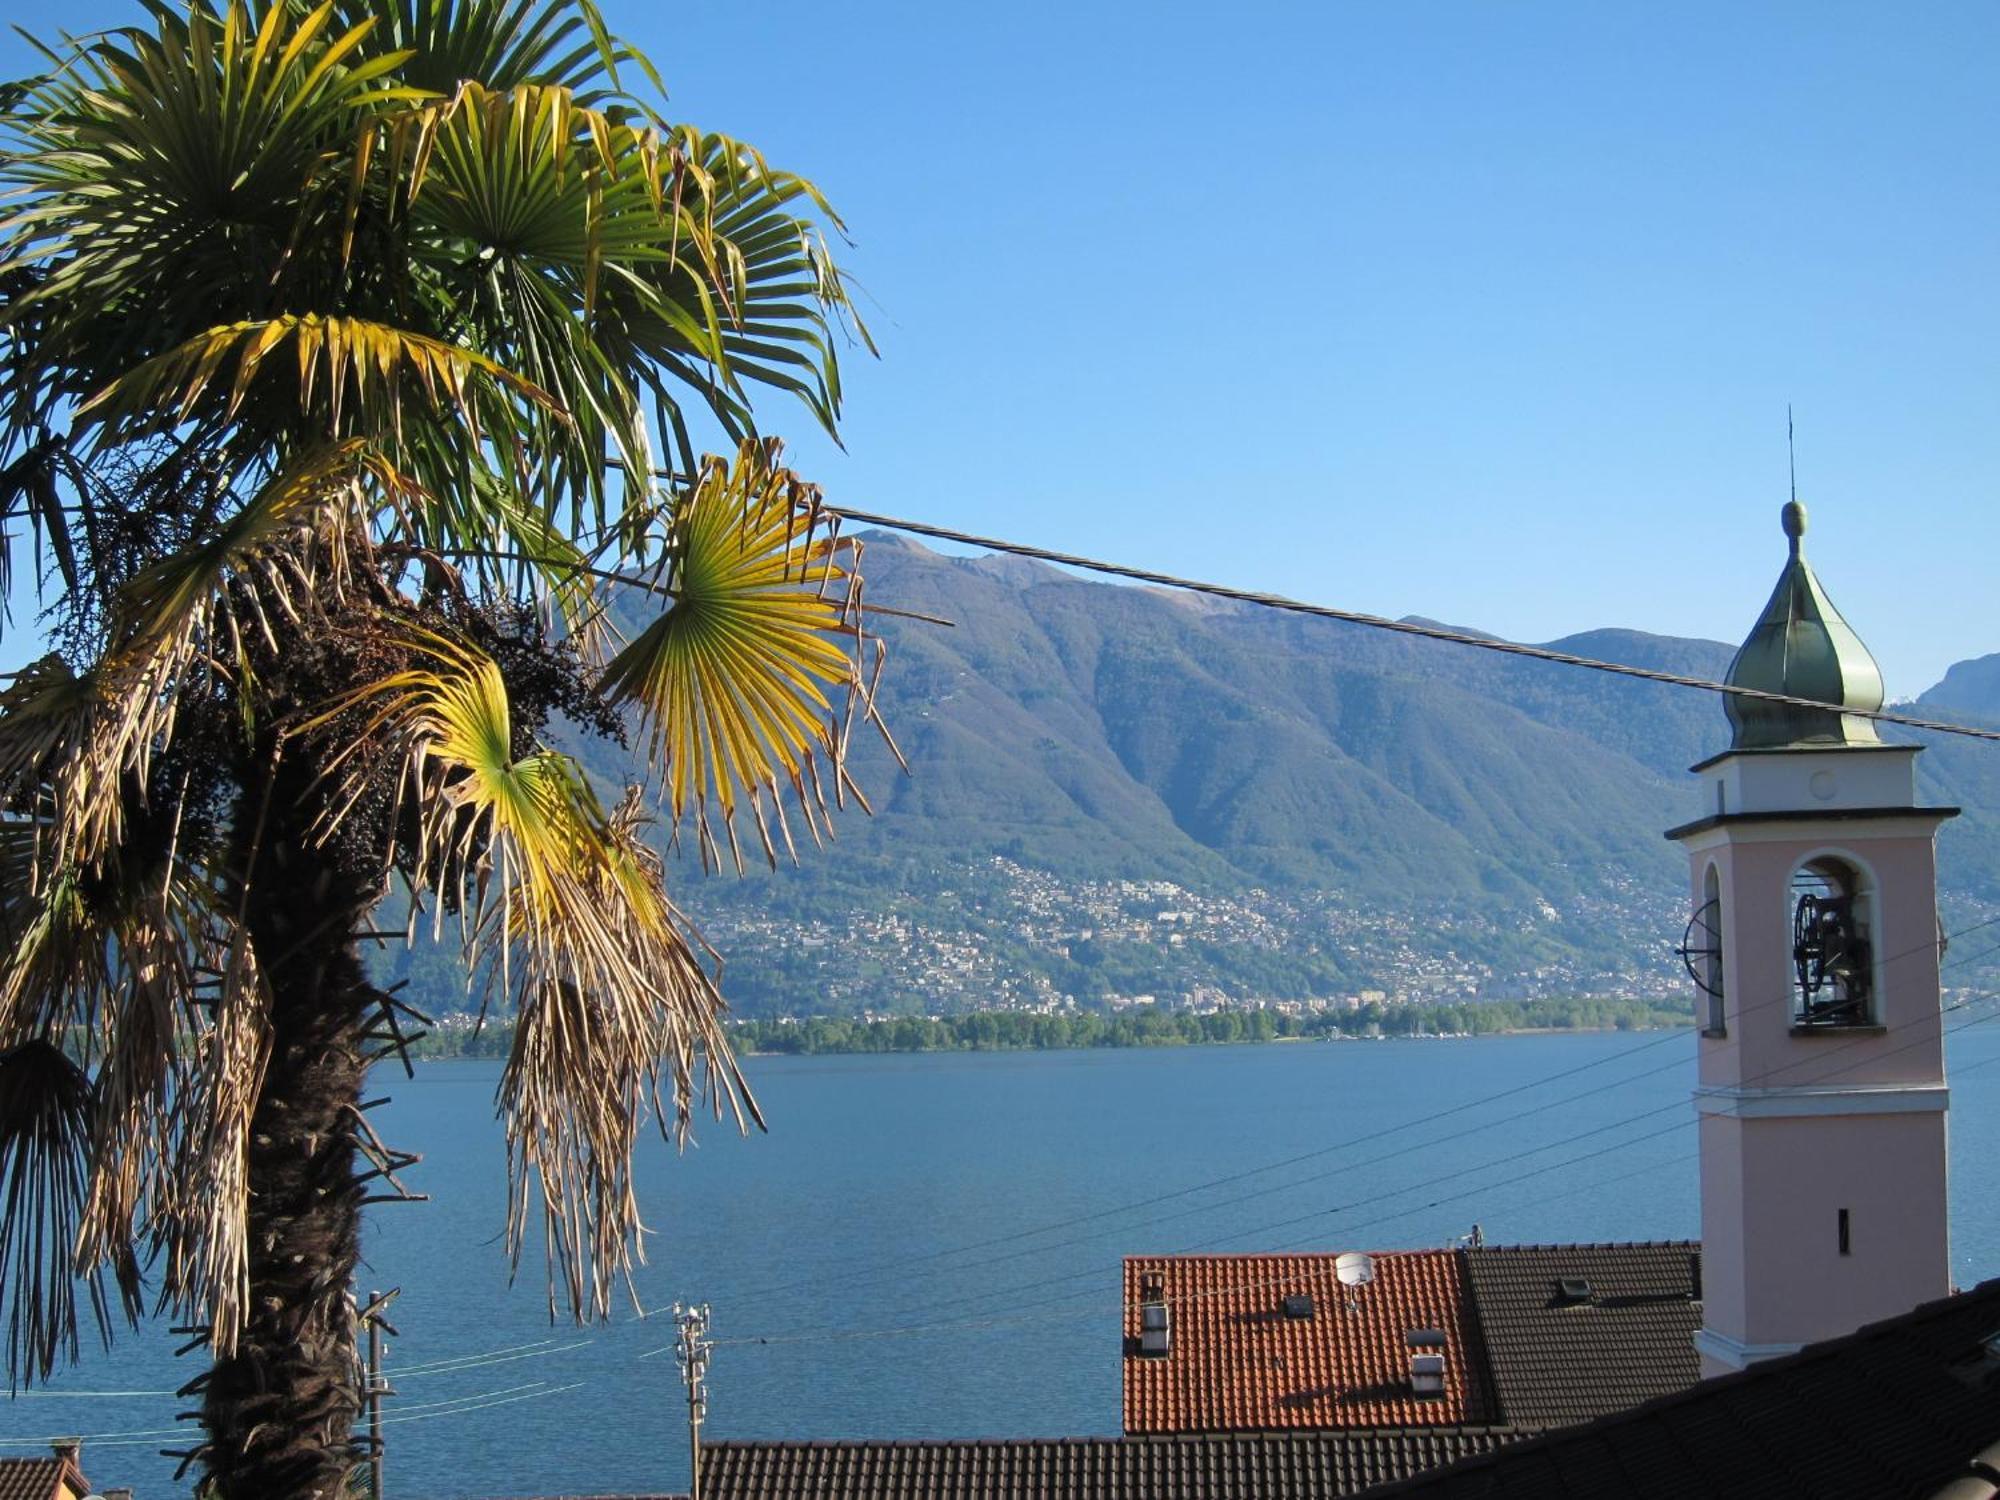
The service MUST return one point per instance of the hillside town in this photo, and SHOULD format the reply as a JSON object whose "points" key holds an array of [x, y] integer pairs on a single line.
{"points": [[1001, 935]]}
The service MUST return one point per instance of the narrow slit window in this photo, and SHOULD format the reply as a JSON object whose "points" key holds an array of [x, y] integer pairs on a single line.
{"points": [[1846, 1240], [1711, 896]]}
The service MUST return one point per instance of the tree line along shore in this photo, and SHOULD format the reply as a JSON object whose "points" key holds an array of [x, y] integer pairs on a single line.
{"points": [[1023, 1031]]}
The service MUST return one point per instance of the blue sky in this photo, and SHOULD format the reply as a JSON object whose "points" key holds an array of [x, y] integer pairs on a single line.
{"points": [[1485, 312]]}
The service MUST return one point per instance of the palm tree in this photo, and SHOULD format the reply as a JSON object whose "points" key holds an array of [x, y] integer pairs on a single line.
{"points": [[344, 348]]}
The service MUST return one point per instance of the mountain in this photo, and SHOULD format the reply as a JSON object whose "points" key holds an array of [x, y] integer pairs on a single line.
{"points": [[1119, 792], [1970, 687]]}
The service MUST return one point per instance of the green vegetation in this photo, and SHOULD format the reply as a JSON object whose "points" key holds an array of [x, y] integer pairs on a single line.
{"points": [[1003, 1031], [1020, 1031]]}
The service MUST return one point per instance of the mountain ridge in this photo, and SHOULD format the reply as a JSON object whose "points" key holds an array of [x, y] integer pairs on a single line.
{"points": [[1120, 794]]}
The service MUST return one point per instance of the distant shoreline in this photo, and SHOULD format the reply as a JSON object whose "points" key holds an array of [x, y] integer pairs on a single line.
{"points": [[1016, 1031], [1274, 1041]]}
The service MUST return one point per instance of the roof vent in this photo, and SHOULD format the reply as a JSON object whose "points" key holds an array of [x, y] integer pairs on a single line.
{"points": [[1299, 1305], [1427, 1374], [1156, 1331], [1426, 1361], [1573, 1291]]}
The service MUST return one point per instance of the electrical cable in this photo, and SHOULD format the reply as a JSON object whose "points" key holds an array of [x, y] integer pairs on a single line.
{"points": [[1381, 622], [1264, 600], [481, 1362]]}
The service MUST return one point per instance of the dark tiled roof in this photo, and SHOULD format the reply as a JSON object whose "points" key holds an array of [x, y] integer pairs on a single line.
{"points": [[1559, 1358], [1238, 1466], [1900, 1409], [1237, 1363], [37, 1479]]}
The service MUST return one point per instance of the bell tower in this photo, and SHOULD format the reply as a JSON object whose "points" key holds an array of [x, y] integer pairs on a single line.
{"points": [[1814, 947]]}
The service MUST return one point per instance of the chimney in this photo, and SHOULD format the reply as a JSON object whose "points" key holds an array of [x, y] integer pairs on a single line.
{"points": [[68, 1448], [118, 1494], [1156, 1329], [1427, 1363]]}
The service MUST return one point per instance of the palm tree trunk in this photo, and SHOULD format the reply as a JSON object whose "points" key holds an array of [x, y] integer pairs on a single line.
{"points": [[280, 1411]]}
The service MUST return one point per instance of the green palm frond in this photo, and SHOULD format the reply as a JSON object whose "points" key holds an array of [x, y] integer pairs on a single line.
{"points": [[500, 43], [736, 679], [760, 275], [357, 372], [164, 168], [611, 1000]]}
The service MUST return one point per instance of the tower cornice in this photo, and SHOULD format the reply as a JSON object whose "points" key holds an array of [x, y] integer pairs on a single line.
{"points": [[1788, 820]]}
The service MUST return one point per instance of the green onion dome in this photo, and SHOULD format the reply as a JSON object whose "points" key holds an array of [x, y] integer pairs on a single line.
{"points": [[1801, 646]]}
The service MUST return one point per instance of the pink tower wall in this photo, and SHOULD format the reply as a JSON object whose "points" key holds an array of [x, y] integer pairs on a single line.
{"points": [[1798, 1124]]}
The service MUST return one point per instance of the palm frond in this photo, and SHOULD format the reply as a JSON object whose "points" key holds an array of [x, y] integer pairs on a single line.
{"points": [[201, 1221], [44, 1172], [356, 373], [568, 907], [500, 43], [736, 680], [109, 959], [167, 170], [80, 738]]}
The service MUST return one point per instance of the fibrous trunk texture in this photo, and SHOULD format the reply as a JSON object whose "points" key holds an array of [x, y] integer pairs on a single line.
{"points": [[280, 1411]]}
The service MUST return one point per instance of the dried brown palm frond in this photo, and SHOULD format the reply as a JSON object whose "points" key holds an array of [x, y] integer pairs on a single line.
{"points": [[87, 740], [109, 959], [736, 678], [200, 1213]]}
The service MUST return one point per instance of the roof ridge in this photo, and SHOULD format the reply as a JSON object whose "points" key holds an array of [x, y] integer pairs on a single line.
{"points": [[1295, 1254], [1593, 1245], [1245, 1435]]}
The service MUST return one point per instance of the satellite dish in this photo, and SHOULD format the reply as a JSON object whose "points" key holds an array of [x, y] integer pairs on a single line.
{"points": [[1354, 1268]]}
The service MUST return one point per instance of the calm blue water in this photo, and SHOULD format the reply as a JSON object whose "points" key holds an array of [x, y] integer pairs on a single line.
{"points": [[832, 1227]]}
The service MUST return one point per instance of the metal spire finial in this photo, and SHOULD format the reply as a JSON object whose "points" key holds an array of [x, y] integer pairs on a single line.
{"points": [[1791, 451], [1794, 514]]}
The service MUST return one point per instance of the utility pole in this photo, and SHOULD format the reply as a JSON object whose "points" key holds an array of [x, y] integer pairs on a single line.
{"points": [[691, 1351], [377, 1386]]}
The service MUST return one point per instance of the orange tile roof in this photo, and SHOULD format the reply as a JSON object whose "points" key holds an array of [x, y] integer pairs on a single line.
{"points": [[1239, 1364], [40, 1479]]}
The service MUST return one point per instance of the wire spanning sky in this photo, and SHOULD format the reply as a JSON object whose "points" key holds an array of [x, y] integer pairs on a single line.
{"points": [[1487, 313]]}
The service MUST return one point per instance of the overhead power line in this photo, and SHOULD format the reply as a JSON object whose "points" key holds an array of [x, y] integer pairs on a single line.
{"points": [[1382, 622]]}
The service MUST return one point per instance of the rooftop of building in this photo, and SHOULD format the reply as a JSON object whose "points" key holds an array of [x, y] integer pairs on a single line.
{"points": [[1906, 1409], [1532, 1336], [44, 1478]]}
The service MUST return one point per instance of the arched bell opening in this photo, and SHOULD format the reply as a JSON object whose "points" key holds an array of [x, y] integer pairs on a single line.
{"points": [[1833, 948]]}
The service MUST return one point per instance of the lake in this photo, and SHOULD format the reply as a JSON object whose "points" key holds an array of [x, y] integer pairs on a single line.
{"points": [[929, 1246]]}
